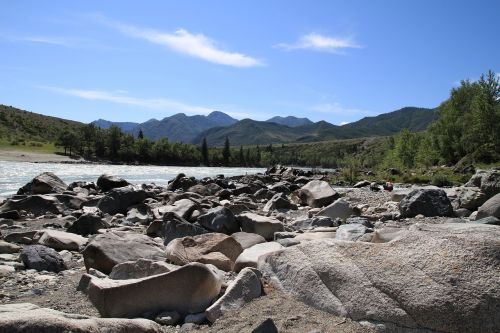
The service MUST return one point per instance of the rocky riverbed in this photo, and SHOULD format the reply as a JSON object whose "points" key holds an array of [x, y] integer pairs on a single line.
{"points": [[282, 251]]}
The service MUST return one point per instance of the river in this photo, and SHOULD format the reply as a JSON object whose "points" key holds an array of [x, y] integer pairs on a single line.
{"points": [[14, 175]]}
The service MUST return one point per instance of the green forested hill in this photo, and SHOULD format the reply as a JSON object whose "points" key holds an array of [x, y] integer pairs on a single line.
{"points": [[251, 132], [17, 124]]}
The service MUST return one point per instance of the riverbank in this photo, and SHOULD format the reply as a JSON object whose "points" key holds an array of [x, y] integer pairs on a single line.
{"points": [[25, 156]]}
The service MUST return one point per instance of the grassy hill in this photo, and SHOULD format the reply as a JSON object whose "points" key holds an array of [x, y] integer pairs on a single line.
{"points": [[26, 130]]}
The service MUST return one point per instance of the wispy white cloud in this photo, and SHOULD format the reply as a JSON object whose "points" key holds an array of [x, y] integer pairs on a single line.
{"points": [[185, 42], [67, 42], [318, 42], [120, 98]]}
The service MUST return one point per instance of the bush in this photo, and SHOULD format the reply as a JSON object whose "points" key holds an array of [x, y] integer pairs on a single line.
{"points": [[441, 180]]}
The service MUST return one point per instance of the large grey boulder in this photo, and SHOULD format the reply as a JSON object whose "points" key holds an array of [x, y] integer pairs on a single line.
{"points": [[42, 258], [139, 214], [428, 202], [467, 197], [247, 239], [213, 248], [88, 224], [250, 256], [261, 225], [44, 183], [26, 317], [436, 277], [34, 204], [189, 289], [278, 201], [338, 209], [107, 250], [60, 240], [219, 219], [316, 194], [487, 180], [182, 207], [108, 182], [350, 232], [316, 221], [243, 289], [119, 199], [172, 226], [490, 208], [140, 268]]}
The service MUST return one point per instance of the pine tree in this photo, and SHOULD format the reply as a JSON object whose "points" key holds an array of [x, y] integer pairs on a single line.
{"points": [[226, 153], [140, 135], [204, 152], [242, 157]]}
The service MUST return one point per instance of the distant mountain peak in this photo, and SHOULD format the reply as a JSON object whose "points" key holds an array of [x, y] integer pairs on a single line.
{"points": [[290, 121]]}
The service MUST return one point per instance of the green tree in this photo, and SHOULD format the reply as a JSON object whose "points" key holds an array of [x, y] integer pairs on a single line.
{"points": [[141, 134], [67, 140], [114, 140], [242, 157], [226, 152], [204, 152]]}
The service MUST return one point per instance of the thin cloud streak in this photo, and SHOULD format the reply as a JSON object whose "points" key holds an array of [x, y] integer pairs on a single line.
{"points": [[182, 41], [318, 42], [150, 103]]}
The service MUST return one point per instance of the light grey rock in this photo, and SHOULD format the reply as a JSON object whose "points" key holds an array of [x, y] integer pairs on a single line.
{"points": [[278, 201], [316, 221], [490, 208], [105, 251], [247, 239], [350, 232], [399, 194], [189, 289], [488, 220], [119, 199], [6, 247], [487, 180], [467, 197], [423, 279], [139, 214], [338, 209], [182, 207], [26, 317], [250, 256], [315, 194], [243, 289], [428, 202], [173, 226], [199, 248], [60, 240], [261, 225], [139, 269]]}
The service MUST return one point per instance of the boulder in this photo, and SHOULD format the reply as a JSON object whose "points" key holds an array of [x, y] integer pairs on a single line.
{"points": [[71, 201], [140, 268], [338, 209], [34, 204], [119, 199], [60, 240], [6, 247], [107, 250], [10, 215], [88, 224], [250, 256], [26, 317], [172, 227], [42, 258], [467, 197], [488, 220], [261, 225], [247, 239], [184, 250], [108, 182], [399, 194], [434, 277], [219, 219], [139, 214], [350, 232], [316, 221], [243, 289], [316, 194], [182, 207], [278, 201], [189, 289], [487, 180], [428, 202], [490, 208], [44, 183], [362, 183]]}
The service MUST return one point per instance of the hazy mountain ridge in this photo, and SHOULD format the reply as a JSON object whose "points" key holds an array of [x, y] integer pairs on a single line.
{"points": [[290, 121]]}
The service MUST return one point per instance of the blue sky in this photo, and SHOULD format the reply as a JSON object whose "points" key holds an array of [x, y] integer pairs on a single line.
{"points": [[327, 60]]}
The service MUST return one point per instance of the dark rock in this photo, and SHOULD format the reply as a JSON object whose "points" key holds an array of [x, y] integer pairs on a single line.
{"points": [[34, 204], [10, 214], [267, 326], [219, 219], [173, 226], [360, 220], [88, 224], [71, 201], [278, 201], [109, 182], [119, 199], [428, 202], [44, 183], [316, 221], [42, 258]]}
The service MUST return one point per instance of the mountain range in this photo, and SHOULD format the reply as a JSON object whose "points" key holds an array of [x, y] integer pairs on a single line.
{"points": [[216, 126]]}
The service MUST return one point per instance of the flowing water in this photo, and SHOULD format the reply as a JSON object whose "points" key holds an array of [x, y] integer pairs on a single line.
{"points": [[14, 175]]}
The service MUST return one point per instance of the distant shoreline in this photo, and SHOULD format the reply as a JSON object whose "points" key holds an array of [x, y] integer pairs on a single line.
{"points": [[24, 156]]}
